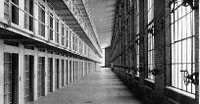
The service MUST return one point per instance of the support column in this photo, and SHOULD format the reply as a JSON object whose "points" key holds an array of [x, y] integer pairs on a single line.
{"points": [[1, 73], [21, 74]]}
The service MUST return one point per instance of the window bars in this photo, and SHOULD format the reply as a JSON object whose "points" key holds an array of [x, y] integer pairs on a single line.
{"points": [[150, 37], [137, 40], [182, 46], [8, 82], [41, 22], [51, 26], [137, 73]]}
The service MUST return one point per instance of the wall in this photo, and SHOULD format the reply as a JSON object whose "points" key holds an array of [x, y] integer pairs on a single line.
{"points": [[132, 29]]}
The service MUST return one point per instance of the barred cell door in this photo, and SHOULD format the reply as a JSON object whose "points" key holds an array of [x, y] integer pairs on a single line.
{"points": [[73, 69], [11, 80], [77, 70], [63, 72], [50, 75], [28, 78], [85, 69], [70, 71], [57, 74], [67, 72], [41, 77]]}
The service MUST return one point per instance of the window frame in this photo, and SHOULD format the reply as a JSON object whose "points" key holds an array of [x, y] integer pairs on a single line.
{"points": [[51, 26], [63, 35], [150, 41], [57, 37], [41, 20], [182, 40]]}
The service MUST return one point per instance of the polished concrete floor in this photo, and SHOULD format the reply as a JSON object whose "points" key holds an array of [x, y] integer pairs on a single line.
{"points": [[100, 87]]}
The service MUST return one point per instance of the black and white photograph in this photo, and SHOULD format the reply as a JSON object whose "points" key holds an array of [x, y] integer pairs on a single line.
{"points": [[99, 51]]}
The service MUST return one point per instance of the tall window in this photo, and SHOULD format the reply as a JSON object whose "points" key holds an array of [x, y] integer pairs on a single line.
{"points": [[15, 12], [138, 55], [41, 20], [150, 35], [137, 40], [6, 9], [51, 26], [80, 47], [63, 35], [74, 44], [28, 19], [70, 39], [57, 31], [67, 37], [85, 49], [182, 46]]}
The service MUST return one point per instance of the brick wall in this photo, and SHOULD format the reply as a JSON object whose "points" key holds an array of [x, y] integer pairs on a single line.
{"points": [[155, 92]]}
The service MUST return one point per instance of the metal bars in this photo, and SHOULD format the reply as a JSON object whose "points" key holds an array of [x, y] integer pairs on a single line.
{"points": [[8, 78], [182, 46], [150, 38]]}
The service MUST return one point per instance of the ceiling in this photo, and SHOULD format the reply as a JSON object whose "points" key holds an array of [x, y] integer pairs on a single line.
{"points": [[102, 12]]}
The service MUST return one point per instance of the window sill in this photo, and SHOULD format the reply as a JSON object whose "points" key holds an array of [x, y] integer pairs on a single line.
{"points": [[180, 92], [177, 96], [149, 83], [149, 80]]}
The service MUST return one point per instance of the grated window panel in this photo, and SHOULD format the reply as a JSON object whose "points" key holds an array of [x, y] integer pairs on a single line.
{"points": [[51, 27], [151, 51], [41, 20], [63, 35], [182, 46], [138, 56], [57, 31], [8, 82], [67, 38], [6, 9], [137, 73], [28, 14]]}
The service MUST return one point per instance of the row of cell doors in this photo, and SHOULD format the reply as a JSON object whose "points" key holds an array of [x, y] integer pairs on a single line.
{"points": [[11, 77]]}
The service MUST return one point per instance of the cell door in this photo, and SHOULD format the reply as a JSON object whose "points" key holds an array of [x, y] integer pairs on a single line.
{"points": [[41, 76], [50, 75], [85, 69], [57, 74], [11, 78], [73, 69], [77, 70], [70, 71], [28, 78], [67, 72], [63, 73]]}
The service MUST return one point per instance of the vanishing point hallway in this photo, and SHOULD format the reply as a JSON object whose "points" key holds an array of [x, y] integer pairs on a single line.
{"points": [[100, 87]]}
